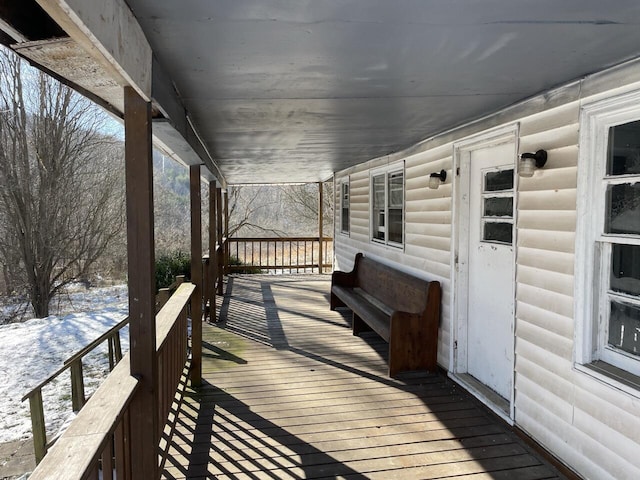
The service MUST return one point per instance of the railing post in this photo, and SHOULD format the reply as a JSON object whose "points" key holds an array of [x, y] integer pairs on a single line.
{"points": [[163, 296], [226, 233], [144, 439], [320, 227], [37, 425], [112, 353], [205, 286], [220, 241], [77, 385], [213, 257], [196, 275], [117, 346]]}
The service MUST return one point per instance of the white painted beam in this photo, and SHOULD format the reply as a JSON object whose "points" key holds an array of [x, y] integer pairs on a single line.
{"points": [[109, 31]]}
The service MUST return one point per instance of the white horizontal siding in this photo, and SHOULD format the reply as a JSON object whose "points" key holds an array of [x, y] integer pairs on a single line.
{"points": [[550, 341], [549, 321], [560, 262], [589, 425]]}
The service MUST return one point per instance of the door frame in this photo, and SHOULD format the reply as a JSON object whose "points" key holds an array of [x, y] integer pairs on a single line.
{"points": [[460, 264]]}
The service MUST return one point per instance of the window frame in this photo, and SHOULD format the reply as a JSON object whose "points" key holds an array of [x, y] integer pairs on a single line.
{"points": [[386, 172], [486, 194], [345, 183], [592, 295]]}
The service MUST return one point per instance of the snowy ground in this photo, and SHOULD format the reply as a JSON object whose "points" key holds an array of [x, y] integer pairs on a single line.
{"points": [[32, 350]]}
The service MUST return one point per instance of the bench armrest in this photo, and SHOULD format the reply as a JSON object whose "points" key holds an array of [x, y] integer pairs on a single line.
{"points": [[346, 279]]}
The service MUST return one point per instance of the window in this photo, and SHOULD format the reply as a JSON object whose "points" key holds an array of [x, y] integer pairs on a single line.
{"points": [[497, 206], [609, 226], [387, 207], [344, 206]]}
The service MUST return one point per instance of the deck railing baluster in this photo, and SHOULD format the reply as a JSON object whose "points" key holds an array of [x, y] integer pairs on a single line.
{"points": [[77, 385], [286, 254]]}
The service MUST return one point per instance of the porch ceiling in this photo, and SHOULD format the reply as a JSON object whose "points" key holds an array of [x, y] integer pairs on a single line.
{"points": [[291, 91]]}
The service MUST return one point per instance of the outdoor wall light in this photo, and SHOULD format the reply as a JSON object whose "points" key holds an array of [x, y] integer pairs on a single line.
{"points": [[436, 178], [530, 161]]}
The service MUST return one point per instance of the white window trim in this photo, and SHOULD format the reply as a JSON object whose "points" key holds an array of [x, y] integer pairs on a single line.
{"points": [[589, 298], [344, 181], [386, 171]]}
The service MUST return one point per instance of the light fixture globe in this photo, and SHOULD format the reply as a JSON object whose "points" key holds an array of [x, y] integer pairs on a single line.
{"points": [[529, 162], [436, 178], [527, 167]]}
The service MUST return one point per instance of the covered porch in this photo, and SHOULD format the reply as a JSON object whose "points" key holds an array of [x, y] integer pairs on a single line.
{"points": [[266, 92], [288, 392]]}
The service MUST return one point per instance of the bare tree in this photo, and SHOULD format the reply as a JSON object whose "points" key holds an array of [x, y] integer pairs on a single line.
{"points": [[60, 182], [171, 205], [302, 203], [251, 211]]}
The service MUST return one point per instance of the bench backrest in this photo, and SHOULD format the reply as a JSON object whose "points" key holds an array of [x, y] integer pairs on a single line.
{"points": [[399, 290]]}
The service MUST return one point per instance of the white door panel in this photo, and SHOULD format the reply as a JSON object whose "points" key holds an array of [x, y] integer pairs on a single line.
{"points": [[490, 309]]}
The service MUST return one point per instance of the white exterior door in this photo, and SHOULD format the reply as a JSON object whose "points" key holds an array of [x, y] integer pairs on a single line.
{"points": [[489, 244]]}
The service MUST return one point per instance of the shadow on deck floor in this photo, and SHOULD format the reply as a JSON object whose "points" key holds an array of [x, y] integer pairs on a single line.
{"points": [[289, 393]]}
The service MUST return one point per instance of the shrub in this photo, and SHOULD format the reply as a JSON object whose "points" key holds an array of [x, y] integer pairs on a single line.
{"points": [[171, 264], [235, 261]]}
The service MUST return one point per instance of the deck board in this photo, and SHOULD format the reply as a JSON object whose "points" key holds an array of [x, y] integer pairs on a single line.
{"points": [[289, 393]]}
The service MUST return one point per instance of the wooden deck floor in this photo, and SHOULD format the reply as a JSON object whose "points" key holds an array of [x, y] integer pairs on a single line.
{"points": [[290, 393]]}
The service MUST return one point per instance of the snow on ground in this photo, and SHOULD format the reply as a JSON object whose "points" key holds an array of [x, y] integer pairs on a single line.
{"points": [[32, 350]]}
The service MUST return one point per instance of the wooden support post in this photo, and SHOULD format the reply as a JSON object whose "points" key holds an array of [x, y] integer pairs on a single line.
{"points": [[196, 276], [226, 234], [140, 250], [320, 235], [77, 385], [213, 259], [37, 425], [220, 249], [205, 285]]}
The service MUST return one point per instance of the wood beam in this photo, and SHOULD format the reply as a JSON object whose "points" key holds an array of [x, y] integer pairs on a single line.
{"points": [[196, 276], [176, 131], [141, 268], [320, 226], [123, 51]]}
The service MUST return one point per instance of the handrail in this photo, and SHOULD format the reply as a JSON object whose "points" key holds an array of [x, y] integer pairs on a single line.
{"points": [[278, 239], [74, 364], [76, 356], [87, 349], [99, 437], [89, 436], [279, 253]]}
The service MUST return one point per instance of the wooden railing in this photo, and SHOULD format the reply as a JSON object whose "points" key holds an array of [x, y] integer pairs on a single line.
{"points": [[286, 254], [164, 293], [97, 443], [78, 398], [75, 366]]}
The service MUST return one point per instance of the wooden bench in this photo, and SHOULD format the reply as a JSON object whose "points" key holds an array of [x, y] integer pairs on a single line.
{"points": [[401, 308]]}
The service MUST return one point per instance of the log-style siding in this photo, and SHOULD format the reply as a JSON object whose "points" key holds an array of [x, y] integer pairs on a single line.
{"points": [[588, 424]]}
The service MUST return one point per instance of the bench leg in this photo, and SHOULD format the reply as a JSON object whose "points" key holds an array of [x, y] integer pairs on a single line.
{"points": [[410, 346], [359, 325], [335, 302]]}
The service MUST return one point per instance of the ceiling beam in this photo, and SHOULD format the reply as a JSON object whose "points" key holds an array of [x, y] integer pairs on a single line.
{"points": [[176, 131], [108, 30], [111, 35]]}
